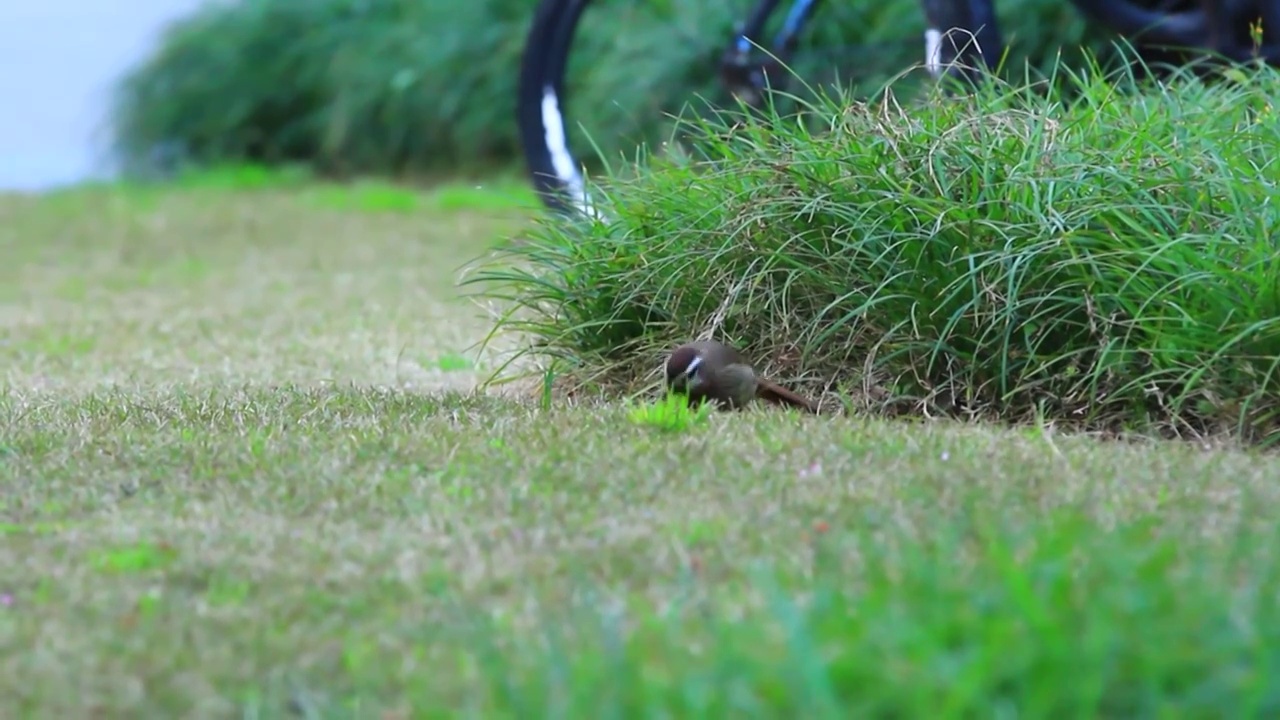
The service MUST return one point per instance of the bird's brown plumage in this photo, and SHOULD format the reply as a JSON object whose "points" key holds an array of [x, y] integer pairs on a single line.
{"points": [[709, 370]]}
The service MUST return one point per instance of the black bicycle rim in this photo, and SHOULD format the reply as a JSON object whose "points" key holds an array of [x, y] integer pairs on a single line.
{"points": [[539, 107]]}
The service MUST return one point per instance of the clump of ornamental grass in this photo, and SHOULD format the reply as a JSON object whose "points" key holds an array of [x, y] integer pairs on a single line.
{"points": [[1108, 263]]}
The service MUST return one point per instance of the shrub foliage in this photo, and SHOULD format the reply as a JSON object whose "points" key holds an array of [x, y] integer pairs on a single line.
{"points": [[1110, 262], [428, 85]]}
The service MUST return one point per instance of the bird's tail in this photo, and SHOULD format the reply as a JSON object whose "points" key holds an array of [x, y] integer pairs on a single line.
{"points": [[778, 395]]}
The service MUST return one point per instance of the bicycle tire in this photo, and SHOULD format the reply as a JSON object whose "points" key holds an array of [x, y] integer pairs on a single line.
{"points": [[539, 98]]}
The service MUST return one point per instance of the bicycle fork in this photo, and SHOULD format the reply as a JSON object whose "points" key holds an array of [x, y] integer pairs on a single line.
{"points": [[961, 39], [747, 79]]}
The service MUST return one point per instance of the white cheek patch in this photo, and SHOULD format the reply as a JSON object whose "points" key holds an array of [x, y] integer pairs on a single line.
{"points": [[692, 370]]}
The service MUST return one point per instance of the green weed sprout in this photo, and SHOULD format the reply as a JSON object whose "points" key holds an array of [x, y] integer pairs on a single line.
{"points": [[670, 414]]}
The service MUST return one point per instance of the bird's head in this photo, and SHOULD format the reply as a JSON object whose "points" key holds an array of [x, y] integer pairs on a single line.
{"points": [[685, 370]]}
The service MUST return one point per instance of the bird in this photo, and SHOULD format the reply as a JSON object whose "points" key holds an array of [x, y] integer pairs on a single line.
{"points": [[709, 370]]}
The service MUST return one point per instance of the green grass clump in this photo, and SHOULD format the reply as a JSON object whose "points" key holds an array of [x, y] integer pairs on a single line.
{"points": [[670, 413], [414, 86], [1109, 263]]}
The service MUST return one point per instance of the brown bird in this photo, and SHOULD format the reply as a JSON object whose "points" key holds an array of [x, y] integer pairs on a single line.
{"points": [[708, 370]]}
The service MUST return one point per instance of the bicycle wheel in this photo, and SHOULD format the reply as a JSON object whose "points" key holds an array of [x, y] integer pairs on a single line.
{"points": [[632, 65]]}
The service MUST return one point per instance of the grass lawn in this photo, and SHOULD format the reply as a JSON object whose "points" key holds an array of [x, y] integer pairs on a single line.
{"points": [[242, 474]]}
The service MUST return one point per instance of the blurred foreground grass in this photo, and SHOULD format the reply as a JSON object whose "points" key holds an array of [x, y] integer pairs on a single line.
{"points": [[241, 474]]}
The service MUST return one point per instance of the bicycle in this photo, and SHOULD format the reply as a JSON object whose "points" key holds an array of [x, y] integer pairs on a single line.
{"points": [[962, 40]]}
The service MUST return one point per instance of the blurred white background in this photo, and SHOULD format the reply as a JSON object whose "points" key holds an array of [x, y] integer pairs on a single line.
{"points": [[58, 62]]}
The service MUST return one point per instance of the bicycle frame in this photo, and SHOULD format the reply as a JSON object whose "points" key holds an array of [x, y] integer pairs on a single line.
{"points": [[785, 41], [1204, 24], [974, 16]]}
